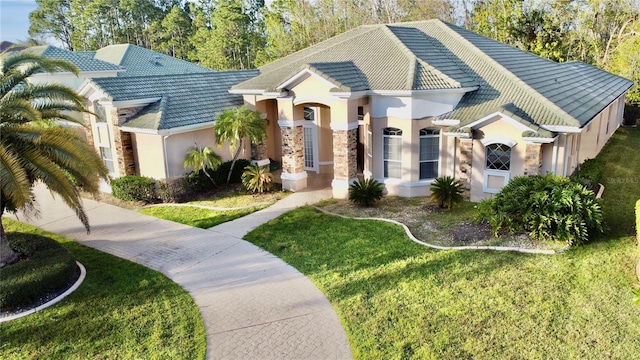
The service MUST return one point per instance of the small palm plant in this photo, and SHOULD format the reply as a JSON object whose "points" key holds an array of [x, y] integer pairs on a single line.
{"points": [[365, 192], [257, 178], [202, 158], [447, 192]]}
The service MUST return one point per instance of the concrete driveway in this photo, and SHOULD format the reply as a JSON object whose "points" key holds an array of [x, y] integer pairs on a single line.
{"points": [[253, 304]]}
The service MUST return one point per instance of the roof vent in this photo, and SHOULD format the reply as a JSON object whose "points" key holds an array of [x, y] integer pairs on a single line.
{"points": [[155, 60]]}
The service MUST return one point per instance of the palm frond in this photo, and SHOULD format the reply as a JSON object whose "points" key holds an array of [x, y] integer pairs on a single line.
{"points": [[14, 181]]}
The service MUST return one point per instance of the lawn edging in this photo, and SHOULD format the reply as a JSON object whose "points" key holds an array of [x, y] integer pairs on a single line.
{"points": [[57, 299], [439, 247]]}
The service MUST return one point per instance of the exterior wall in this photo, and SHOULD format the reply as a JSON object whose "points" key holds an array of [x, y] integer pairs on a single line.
{"points": [[149, 155], [596, 134], [414, 107], [547, 158], [178, 144], [325, 140], [311, 89], [504, 129], [409, 185]]}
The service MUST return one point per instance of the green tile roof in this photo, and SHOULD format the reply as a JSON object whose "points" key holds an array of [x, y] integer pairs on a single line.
{"points": [[431, 54], [84, 63], [383, 61], [138, 61], [186, 99]]}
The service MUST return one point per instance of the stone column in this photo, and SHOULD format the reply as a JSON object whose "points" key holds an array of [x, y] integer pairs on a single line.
{"points": [[123, 151], [345, 167], [259, 150], [88, 128], [533, 159], [294, 178], [464, 165]]}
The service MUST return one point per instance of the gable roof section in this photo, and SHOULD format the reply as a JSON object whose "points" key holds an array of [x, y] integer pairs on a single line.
{"points": [[84, 63], [383, 60], [186, 99], [138, 61]]}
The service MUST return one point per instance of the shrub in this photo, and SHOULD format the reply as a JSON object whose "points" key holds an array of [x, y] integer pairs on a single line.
{"points": [[257, 178], [134, 188], [590, 173], [48, 268], [447, 192], [175, 190], [365, 192], [548, 207], [221, 173]]}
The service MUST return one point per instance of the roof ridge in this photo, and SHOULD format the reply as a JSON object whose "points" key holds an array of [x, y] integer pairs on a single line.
{"points": [[417, 59], [411, 75], [519, 82], [320, 49]]}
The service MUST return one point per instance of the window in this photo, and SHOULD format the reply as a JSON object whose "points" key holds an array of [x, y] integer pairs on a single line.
{"points": [[498, 157], [309, 114], [392, 152], [107, 158], [101, 114], [429, 153], [360, 113]]}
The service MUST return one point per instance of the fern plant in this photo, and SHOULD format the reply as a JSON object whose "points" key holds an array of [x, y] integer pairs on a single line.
{"points": [[447, 192], [365, 192], [257, 178]]}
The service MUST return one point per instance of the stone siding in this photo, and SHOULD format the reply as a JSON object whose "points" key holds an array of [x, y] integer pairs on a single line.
{"points": [[464, 165], [345, 151], [86, 118], [259, 150], [122, 140], [292, 149], [533, 159]]}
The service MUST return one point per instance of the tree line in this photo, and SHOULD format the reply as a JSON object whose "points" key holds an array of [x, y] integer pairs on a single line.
{"points": [[244, 34]]}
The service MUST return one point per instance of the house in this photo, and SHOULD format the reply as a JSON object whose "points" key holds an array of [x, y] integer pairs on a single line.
{"points": [[147, 108], [406, 103], [143, 125]]}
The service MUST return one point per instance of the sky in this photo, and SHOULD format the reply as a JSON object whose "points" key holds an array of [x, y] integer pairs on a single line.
{"points": [[14, 19]]}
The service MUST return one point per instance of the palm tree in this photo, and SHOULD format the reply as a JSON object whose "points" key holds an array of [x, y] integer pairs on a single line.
{"points": [[447, 192], [200, 158], [235, 125], [34, 148]]}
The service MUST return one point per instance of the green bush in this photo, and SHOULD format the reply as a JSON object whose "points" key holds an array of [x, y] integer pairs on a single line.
{"points": [[175, 190], [365, 192], [257, 178], [447, 192], [47, 268], [590, 173], [134, 188], [547, 207], [221, 173]]}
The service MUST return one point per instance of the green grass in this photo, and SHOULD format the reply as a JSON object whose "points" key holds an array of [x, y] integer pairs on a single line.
{"points": [[240, 198], [121, 311], [197, 217], [399, 300]]}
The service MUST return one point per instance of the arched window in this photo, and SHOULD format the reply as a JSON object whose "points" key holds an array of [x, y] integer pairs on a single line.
{"points": [[309, 113], [498, 157], [429, 153], [392, 152]]}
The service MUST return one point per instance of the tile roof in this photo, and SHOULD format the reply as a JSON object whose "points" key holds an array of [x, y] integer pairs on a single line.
{"points": [[429, 55], [383, 60], [84, 63], [186, 99], [138, 61]]}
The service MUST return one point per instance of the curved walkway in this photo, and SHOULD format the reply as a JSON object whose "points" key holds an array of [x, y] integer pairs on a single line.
{"points": [[254, 305]]}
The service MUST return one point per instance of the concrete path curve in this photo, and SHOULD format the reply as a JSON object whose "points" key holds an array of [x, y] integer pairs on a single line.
{"points": [[253, 304]]}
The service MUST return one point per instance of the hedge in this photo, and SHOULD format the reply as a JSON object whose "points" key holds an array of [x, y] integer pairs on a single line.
{"points": [[48, 268], [134, 188]]}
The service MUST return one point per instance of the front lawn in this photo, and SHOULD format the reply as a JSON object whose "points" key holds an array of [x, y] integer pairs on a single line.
{"points": [[397, 299], [209, 212], [122, 310], [198, 217]]}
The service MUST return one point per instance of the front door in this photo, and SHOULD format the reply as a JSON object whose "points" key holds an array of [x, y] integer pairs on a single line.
{"points": [[310, 139]]}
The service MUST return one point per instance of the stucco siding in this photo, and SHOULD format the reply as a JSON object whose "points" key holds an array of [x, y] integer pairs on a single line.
{"points": [[148, 155]]}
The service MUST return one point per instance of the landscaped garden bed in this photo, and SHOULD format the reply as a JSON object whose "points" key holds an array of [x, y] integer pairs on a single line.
{"points": [[436, 226]]}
